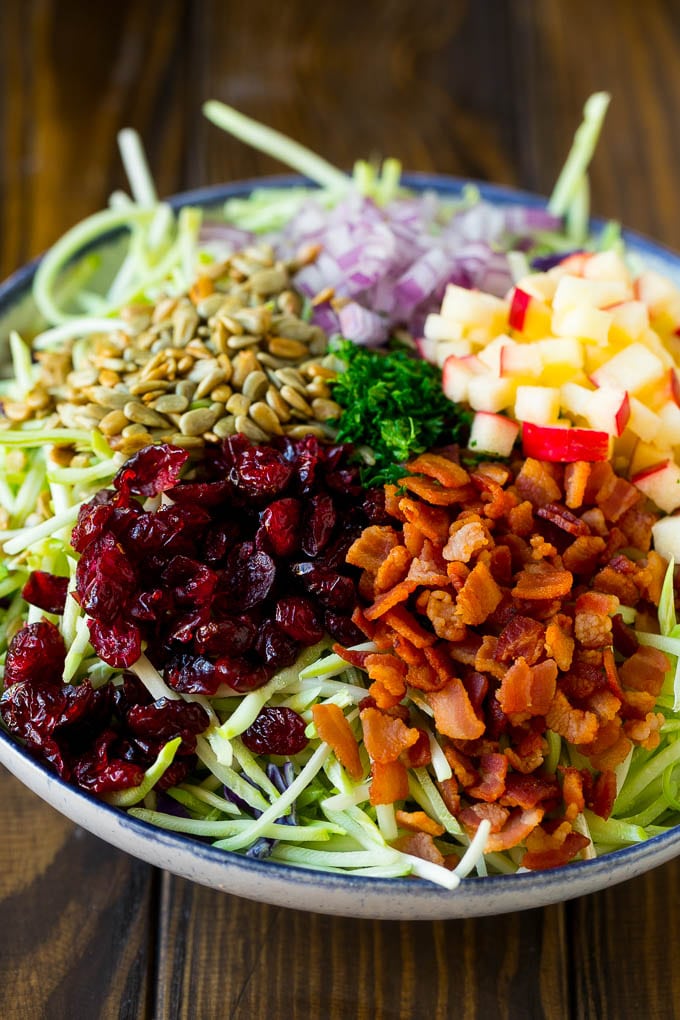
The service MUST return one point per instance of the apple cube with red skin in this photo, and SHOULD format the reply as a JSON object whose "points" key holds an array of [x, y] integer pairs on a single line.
{"points": [[661, 483], [456, 376], [521, 360], [643, 422], [606, 265], [528, 315], [578, 292], [666, 535], [564, 443], [488, 393], [493, 434], [607, 408], [583, 321]]}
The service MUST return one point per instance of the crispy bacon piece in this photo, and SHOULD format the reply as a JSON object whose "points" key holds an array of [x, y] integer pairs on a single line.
{"points": [[486, 659], [454, 715], [372, 547], [389, 782], [389, 672], [420, 844], [496, 815], [385, 737], [616, 497], [441, 612], [478, 597], [564, 519], [466, 541], [414, 539], [645, 670], [529, 754], [645, 732], [603, 795], [553, 854], [393, 495], [576, 477], [615, 582], [527, 690], [461, 765], [592, 623], [521, 518], [333, 728], [404, 622], [542, 581], [393, 569], [516, 829], [636, 524], [521, 636], [526, 790], [419, 755], [492, 772], [448, 789], [572, 792], [389, 599], [577, 726], [418, 821], [431, 521], [429, 567], [651, 577], [536, 483], [433, 492], [583, 555], [444, 470], [559, 644]]}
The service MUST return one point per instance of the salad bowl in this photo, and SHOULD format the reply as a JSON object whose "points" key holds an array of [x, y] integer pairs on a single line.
{"points": [[299, 887]]}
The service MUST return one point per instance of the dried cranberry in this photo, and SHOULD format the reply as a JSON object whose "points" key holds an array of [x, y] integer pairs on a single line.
{"points": [[100, 771], [176, 773], [260, 472], [203, 493], [296, 617], [185, 627], [332, 589], [220, 540], [152, 470], [241, 674], [281, 524], [146, 606], [36, 651], [342, 629], [232, 636], [191, 582], [104, 578], [46, 591], [276, 731], [276, 647], [165, 719], [249, 576], [93, 518], [320, 519], [118, 643], [192, 674]]}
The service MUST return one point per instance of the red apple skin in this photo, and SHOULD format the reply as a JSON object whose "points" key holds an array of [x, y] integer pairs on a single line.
{"points": [[518, 309], [675, 384], [561, 444], [622, 415], [652, 470]]}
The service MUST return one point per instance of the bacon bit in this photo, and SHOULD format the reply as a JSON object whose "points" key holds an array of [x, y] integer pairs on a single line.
{"points": [[527, 690], [515, 831], [448, 790], [419, 755], [499, 563], [636, 525], [645, 732], [438, 658], [572, 792], [582, 556], [558, 642], [577, 726], [624, 637], [434, 493], [389, 782], [555, 857], [498, 473], [383, 697], [497, 501], [521, 519], [492, 770], [461, 765], [441, 612], [542, 581], [388, 674], [413, 539], [541, 549], [393, 497], [419, 844], [357, 659], [385, 737], [576, 477], [447, 472], [645, 670], [465, 651], [601, 800], [563, 519], [611, 672], [535, 483], [458, 574], [466, 541], [428, 568], [393, 569], [365, 626], [478, 597], [613, 582], [486, 659], [334, 729], [431, 521], [389, 599], [651, 577], [418, 821], [454, 715], [522, 636], [528, 790], [592, 623], [372, 547], [405, 623], [607, 735], [529, 754], [583, 679], [616, 497], [613, 755], [496, 815]]}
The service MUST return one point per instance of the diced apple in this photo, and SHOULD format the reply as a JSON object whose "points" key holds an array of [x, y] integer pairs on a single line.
{"points": [[539, 405], [571, 265], [473, 308], [607, 408], [646, 455], [542, 286], [426, 348], [659, 293], [578, 292], [661, 483], [521, 360], [631, 369], [528, 315], [488, 393], [630, 319], [564, 444], [493, 433], [490, 355], [561, 351], [607, 265], [583, 321], [438, 328], [446, 348], [670, 423], [456, 376], [666, 537], [575, 399], [643, 422]]}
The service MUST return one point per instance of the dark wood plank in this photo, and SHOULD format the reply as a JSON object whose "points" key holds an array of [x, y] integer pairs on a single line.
{"points": [[76, 938], [260, 962]]}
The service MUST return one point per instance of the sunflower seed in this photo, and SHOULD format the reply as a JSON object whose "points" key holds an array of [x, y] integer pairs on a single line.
{"points": [[113, 423], [198, 421], [141, 415], [255, 385], [282, 347], [265, 418], [249, 428], [296, 400], [173, 402]]}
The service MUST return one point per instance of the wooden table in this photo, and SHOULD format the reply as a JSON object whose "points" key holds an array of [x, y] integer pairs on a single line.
{"points": [[485, 89]]}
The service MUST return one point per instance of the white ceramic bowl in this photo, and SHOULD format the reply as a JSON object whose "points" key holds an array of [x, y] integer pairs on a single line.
{"points": [[303, 889]]}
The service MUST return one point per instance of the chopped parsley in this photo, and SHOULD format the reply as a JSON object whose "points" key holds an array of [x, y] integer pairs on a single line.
{"points": [[393, 409]]}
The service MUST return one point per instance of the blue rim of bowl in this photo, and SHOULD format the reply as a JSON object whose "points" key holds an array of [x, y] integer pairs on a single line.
{"points": [[657, 848]]}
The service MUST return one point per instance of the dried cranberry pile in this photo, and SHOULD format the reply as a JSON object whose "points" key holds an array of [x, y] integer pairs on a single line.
{"points": [[235, 572]]}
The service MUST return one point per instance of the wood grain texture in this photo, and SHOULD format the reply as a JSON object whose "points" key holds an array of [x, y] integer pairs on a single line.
{"points": [[491, 89]]}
